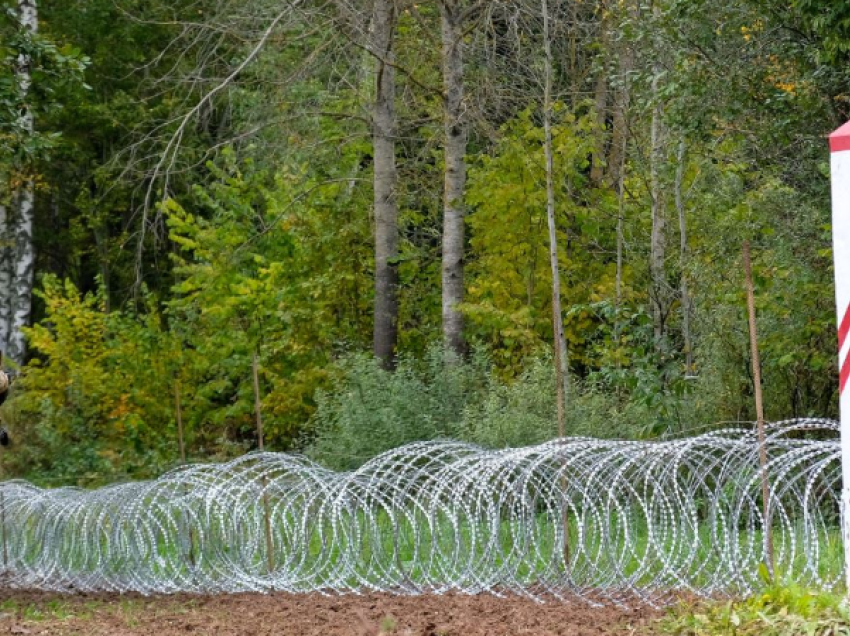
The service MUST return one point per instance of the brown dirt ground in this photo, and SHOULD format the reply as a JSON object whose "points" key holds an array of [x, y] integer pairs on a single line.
{"points": [[36, 613]]}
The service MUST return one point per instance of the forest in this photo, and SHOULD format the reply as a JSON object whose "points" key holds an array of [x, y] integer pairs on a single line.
{"points": [[360, 223]]}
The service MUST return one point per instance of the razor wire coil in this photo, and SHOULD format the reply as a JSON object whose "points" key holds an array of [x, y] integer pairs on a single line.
{"points": [[605, 520]]}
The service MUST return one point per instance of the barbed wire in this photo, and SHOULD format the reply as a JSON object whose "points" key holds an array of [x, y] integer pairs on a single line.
{"points": [[608, 521]]}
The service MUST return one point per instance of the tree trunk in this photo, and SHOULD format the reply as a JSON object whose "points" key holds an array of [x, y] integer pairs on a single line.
{"points": [[561, 353], [657, 248], [617, 167], [573, 53], [454, 182], [24, 259], [621, 213], [6, 254], [600, 101], [619, 126], [684, 294], [385, 182]]}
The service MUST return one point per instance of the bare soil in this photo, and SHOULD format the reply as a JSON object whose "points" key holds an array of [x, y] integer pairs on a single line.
{"points": [[35, 613]]}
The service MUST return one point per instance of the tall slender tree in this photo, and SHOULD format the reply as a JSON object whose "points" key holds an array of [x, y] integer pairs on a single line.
{"points": [[452, 17], [684, 292], [385, 334], [600, 99], [6, 255], [658, 237], [622, 104], [24, 252], [561, 353]]}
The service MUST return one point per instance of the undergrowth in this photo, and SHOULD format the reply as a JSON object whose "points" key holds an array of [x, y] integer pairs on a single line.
{"points": [[780, 609]]}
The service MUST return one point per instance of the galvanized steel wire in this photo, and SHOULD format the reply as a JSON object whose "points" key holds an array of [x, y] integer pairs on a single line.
{"points": [[609, 521]]}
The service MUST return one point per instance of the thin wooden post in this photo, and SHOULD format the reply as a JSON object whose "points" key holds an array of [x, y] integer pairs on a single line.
{"points": [[181, 443], [562, 369], [765, 486], [255, 365], [562, 431], [258, 416], [178, 409]]}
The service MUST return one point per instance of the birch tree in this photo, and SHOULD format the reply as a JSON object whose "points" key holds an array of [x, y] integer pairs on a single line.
{"points": [[454, 181], [6, 254], [455, 18], [24, 254]]}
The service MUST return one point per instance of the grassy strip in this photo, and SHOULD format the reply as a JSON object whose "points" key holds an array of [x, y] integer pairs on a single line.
{"points": [[785, 609]]}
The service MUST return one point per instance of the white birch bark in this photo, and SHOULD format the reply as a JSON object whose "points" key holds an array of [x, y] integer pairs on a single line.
{"points": [[5, 278], [454, 176], [24, 257]]}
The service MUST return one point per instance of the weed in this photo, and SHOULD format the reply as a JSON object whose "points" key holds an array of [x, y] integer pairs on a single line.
{"points": [[782, 609], [388, 624]]}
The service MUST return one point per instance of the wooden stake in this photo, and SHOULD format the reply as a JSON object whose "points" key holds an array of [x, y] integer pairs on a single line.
{"points": [[258, 416], [181, 443], [255, 366], [562, 371], [765, 486], [178, 408]]}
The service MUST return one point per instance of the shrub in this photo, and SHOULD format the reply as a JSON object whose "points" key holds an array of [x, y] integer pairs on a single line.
{"points": [[370, 410]]}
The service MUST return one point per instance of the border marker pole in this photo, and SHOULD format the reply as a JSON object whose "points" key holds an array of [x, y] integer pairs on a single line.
{"points": [[839, 146]]}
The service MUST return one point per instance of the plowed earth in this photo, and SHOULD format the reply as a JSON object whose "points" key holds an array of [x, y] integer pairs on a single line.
{"points": [[278, 614]]}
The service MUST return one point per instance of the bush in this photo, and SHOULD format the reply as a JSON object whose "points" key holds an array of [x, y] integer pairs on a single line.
{"points": [[94, 403], [371, 410]]}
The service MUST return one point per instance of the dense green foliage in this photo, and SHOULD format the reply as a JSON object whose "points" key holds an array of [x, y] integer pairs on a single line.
{"points": [[162, 267], [371, 410]]}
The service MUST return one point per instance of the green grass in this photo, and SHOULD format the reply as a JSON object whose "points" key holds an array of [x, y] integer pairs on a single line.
{"points": [[53, 609], [403, 557], [779, 610], [74, 608]]}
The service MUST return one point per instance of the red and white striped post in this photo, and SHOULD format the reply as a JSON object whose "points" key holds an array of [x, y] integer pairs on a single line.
{"points": [[839, 146]]}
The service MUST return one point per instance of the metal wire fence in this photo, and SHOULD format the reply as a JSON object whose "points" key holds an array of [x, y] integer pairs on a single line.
{"points": [[609, 521]]}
